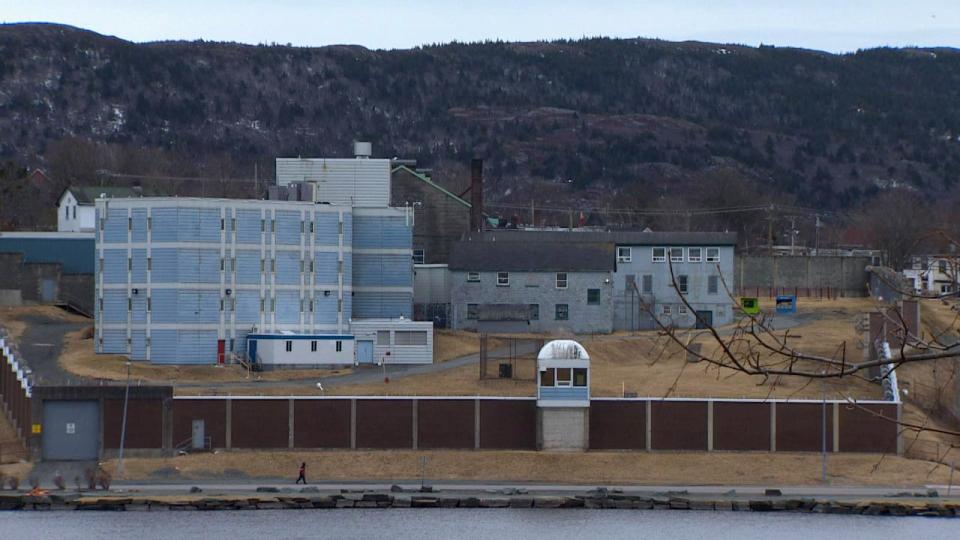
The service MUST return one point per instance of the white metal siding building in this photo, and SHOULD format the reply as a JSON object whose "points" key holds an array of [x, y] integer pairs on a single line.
{"points": [[393, 341], [351, 182], [301, 350]]}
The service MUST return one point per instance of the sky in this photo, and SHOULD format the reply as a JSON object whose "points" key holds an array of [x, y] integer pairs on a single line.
{"points": [[830, 25]]}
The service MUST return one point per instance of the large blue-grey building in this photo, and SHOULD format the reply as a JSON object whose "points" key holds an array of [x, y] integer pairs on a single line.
{"points": [[185, 280], [592, 281]]}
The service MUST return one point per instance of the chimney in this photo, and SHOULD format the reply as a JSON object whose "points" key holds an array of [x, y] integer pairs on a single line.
{"points": [[476, 195]]}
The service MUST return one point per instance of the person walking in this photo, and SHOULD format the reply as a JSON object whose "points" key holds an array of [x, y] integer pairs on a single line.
{"points": [[303, 473]]}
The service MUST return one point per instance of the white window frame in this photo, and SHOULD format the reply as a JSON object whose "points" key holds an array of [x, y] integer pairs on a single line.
{"points": [[659, 258], [681, 309], [473, 277], [699, 256], [665, 309], [715, 257], [556, 378], [676, 259], [624, 254], [565, 280], [503, 279], [683, 285], [716, 282]]}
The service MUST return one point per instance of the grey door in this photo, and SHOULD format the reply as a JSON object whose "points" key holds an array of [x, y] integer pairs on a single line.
{"points": [[704, 319], [71, 430], [364, 352], [197, 435], [48, 290]]}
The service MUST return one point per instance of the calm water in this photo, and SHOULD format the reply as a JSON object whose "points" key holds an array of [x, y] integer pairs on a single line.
{"points": [[480, 523]]}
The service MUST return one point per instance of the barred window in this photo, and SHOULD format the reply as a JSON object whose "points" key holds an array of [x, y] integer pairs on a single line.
{"points": [[409, 337]]}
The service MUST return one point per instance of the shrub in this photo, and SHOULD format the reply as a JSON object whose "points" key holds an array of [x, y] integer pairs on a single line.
{"points": [[104, 478]]}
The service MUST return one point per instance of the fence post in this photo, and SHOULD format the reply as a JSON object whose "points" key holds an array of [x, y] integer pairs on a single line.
{"points": [[710, 425], [649, 413]]}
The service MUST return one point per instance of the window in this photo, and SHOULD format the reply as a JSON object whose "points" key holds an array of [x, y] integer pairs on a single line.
{"points": [[503, 279], [579, 376], [66, 212], [419, 256], [659, 254], [647, 283], [666, 309], [547, 377], [339, 346], [562, 312], [273, 304], [129, 264], [676, 255], [943, 266], [223, 224], [472, 312], [695, 254], [74, 212], [713, 254], [289, 346], [313, 346], [564, 377], [682, 282], [148, 303], [129, 223], [473, 277], [682, 309], [630, 282], [534, 312], [713, 284], [561, 280], [149, 263], [231, 344], [624, 254], [593, 296], [383, 337], [410, 337]]}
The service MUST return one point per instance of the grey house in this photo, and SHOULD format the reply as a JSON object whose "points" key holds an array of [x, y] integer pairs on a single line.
{"points": [[521, 286], [641, 263]]}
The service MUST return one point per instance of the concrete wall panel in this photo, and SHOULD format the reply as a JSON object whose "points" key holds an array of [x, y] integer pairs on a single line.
{"points": [[384, 423], [862, 431], [678, 425], [260, 423], [144, 423], [212, 412], [510, 424], [445, 423], [741, 426], [618, 425], [800, 425], [321, 424]]}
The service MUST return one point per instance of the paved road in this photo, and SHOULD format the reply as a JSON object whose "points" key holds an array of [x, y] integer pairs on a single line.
{"points": [[40, 345]]}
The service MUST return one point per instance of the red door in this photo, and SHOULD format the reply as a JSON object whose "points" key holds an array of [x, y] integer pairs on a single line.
{"points": [[221, 348]]}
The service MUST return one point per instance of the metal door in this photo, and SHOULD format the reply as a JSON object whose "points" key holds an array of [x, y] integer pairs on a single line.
{"points": [[71, 430], [364, 352], [197, 435], [252, 350], [48, 290], [704, 319]]}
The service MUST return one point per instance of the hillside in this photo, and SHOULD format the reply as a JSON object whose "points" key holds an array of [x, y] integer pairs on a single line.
{"points": [[594, 122]]}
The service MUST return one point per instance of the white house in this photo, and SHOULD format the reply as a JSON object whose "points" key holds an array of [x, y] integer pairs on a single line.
{"points": [[75, 207], [933, 274]]}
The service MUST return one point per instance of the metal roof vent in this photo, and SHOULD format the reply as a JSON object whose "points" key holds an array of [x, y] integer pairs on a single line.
{"points": [[362, 150]]}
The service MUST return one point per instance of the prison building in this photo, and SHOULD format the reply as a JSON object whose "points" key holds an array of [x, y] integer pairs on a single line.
{"points": [[515, 286], [591, 282], [185, 280]]}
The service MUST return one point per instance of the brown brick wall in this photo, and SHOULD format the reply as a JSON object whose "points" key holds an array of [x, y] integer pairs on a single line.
{"points": [[259, 423], [508, 424], [741, 426], [861, 431], [213, 412], [321, 423], [678, 425], [384, 423], [445, 423], [799, 427], [618, 425], [144, 423]]}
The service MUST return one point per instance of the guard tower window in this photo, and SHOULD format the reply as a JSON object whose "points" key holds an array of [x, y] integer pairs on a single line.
{"points": [[579, 376]]}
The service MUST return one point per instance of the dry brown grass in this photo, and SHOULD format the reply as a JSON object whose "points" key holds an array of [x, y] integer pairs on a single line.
{"points": [[12, 317], [450, 344], [79, 358], [596, 468], [20, 471]]}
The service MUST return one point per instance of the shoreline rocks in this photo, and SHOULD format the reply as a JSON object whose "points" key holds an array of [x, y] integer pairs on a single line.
{"points": [[272, 500]]}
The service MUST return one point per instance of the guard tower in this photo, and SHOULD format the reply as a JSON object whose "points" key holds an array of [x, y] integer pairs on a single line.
{"points": [[563, 396]]}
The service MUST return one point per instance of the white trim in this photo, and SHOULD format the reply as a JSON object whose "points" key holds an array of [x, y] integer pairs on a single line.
{"points": [[418, 397]]}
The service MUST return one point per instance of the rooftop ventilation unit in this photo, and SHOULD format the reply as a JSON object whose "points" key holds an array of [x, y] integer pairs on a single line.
{"points": [[362, 150]]}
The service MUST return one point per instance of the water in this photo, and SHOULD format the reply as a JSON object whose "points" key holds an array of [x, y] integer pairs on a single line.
{"points": [[500, 524]]}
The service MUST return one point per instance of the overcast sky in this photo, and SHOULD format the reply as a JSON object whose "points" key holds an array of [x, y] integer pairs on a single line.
{"points": [[832, 25]]}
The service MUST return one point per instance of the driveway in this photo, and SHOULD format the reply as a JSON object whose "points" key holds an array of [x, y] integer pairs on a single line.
{"points": [[40, 346]]}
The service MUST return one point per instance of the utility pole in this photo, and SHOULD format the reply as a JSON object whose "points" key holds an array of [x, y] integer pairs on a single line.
{"points": [[816, 248], [770, 230], [823, 431], [533, 215], [793, 233]]}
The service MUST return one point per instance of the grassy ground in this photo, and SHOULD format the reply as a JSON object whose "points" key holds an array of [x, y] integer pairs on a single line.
{"points": [[695, 468], [79, 358], [12, 317]]}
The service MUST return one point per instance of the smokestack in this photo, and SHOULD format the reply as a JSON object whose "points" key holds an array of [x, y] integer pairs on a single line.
{"points": [[476, 195]]}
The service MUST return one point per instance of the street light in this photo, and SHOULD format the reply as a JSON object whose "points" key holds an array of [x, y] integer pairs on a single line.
{"points": [[123, 426]]}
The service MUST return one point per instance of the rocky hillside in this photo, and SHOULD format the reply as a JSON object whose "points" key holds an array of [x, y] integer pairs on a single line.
{"points": [[592, 122]]}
